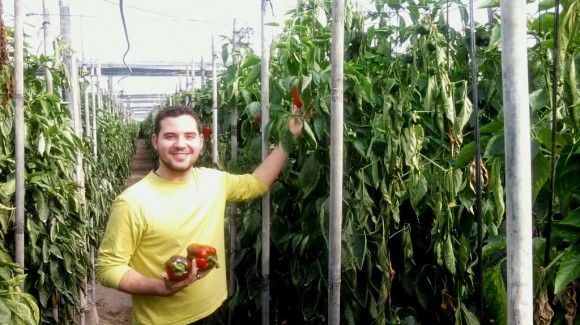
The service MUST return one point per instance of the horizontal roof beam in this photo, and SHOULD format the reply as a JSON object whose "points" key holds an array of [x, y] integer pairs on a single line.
{"points": [[150, 69]]}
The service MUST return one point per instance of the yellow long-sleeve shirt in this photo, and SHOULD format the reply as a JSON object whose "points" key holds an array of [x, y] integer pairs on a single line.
{"points": [[155, 219]]}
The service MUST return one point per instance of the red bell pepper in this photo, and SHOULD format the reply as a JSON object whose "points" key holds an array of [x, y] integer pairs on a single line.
{"points": [[207, 132], [205, 256], [178, 268]]}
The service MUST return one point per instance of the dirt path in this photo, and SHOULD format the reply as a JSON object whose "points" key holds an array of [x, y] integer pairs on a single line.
{"points": [[114, 307]]}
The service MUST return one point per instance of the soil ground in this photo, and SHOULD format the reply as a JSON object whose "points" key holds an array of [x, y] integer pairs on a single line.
{"points": [[114, 307]]}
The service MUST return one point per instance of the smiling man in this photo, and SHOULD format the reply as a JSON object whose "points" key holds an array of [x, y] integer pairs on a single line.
{"points": [[172, 207]]}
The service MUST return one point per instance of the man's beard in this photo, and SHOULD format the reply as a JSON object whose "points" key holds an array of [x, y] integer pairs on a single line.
{"points": [[171, 166]]}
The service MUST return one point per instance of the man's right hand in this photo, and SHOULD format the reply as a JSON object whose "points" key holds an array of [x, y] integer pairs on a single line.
{"points": [[174, 286]]}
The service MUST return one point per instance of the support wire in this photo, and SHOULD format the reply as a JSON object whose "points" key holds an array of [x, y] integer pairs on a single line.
{"points": [[475, 102]]}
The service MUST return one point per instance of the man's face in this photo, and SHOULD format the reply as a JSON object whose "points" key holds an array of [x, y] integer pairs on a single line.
{"points": [[179, 143]]}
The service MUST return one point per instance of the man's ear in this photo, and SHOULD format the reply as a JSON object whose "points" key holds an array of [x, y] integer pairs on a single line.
{"points": [[202, 144], [154, 140]]}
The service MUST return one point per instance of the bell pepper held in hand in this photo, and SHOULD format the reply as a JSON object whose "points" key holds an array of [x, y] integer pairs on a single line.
{"points": [[178, 268], [205, 256]]}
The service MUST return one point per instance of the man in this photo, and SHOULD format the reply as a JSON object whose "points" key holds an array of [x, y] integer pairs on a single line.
{"points": [[172, 207]]}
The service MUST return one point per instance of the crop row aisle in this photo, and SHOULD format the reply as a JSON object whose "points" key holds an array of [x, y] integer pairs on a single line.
{"points": [[436, 181]]}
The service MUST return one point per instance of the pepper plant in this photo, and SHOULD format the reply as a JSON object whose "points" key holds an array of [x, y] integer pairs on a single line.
{"points": [[58, 230], [409, 232]]}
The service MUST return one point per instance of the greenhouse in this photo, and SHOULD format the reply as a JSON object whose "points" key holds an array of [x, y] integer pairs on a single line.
{"points": [[379, 162]]}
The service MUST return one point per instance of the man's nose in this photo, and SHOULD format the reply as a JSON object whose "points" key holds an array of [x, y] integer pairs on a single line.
{"points": [[180, 142]]}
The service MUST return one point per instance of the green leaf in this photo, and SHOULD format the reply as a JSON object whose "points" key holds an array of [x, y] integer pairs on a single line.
{"points": [[467, 152], [42, 208], [572, 219], [41, 145], [8, 188], [464, 115], [547, 4], [29, 300], [492, 127], [540, 174], [308, 130], [5, 313], [495, 146], [358, 144], [253, 109], [15, 281], [567, 170], [22, 313], [463, 256], [449, 255], [55, 251], [308, 177], [359, 249], [539, 99], [494, 245], [488, 4], [497, 188], [417, 191], [569, 269], [495, 39], [495, 295], [254, 74], [320, 127], [407, 248], [468, 316]]}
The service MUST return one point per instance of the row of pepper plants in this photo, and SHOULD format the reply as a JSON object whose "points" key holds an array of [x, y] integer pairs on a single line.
{"points": [[63, 219], [409, 226]]}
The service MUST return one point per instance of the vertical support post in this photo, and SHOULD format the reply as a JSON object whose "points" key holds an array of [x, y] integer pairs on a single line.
{"points": [[192, 84], [46, 28], [214, 105], [19, 131], [99, 93], [336, 162], [234, 245], [202, 67], [72, 95], [113, 108], [94, 109], [518, 167], [265, 82]]}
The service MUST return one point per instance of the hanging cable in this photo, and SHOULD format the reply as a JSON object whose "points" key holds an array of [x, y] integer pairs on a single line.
{"points": [[126, 38], [475, 100], [548, 230]]}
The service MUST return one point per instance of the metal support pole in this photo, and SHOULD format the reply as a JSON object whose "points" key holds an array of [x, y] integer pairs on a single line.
{"points": [[518, 162], [214, 105], [336, 163], [265, 82], [46, 28], [19, 131], [234, 245]]}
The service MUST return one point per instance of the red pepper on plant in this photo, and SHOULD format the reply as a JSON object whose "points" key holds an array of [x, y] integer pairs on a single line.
{"points": [[205, 256], [207, 132], [296, 97], [178, 268]]}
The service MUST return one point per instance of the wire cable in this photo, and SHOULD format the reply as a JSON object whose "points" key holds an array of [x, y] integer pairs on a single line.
{"points": [[478, 217], [548, 230], [126, 36]]}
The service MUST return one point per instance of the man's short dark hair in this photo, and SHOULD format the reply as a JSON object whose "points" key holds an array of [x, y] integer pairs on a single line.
{"points": [[175, 111]]}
